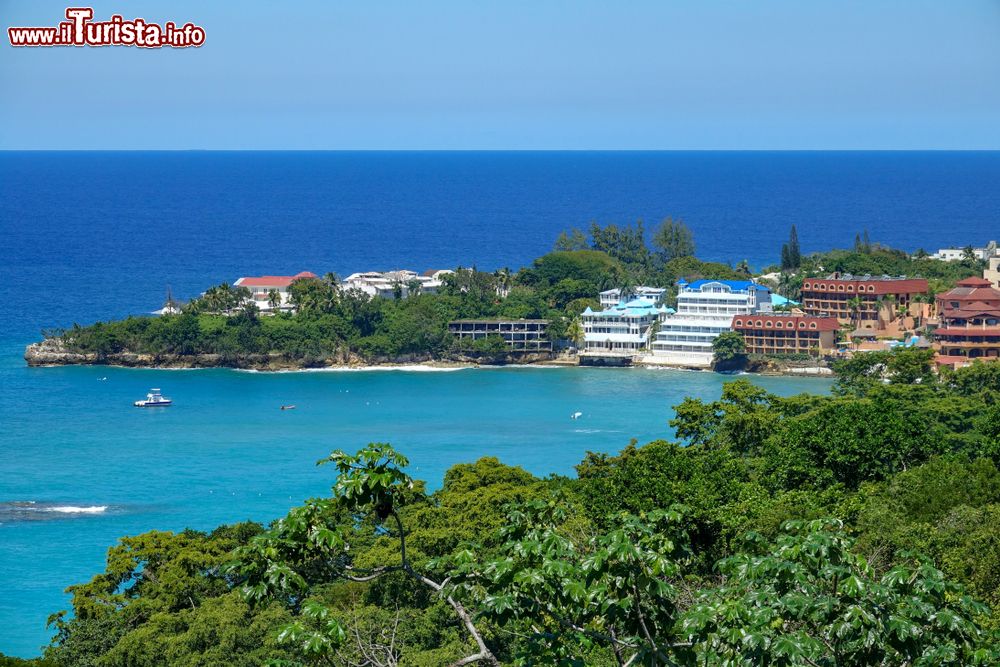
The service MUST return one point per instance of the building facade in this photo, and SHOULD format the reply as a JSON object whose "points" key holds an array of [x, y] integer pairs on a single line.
{"points": [[705, 309], [519, 335], [261, 286], [835, 296], [392, 284], [612, 297], [784, 333], [623, 329], [992, 270], [970, 320], [958, 254]]}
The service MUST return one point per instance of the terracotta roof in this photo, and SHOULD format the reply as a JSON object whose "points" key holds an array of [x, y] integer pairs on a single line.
{"points": [[881, 286], [971, 310], [967, 331], [949, 360], [273, 281], [974, 281]]}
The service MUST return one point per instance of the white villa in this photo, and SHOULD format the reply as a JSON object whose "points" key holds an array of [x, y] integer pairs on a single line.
{"points": [[622, 330], [958, 254], [260, 288], [390, 283], [612, 297], [705, 308]]}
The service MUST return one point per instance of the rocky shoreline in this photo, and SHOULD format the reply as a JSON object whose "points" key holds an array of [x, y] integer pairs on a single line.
{"points": [[52, 352]]}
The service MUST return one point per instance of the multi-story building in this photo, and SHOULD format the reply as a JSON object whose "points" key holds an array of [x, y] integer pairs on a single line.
{"points": [[970, 320], [612, 297], [992, 270], [834, 296], [261, 286], [519, 335], [786, 333], [958, 254], [390, 284], [705, 309], [621, 330]]}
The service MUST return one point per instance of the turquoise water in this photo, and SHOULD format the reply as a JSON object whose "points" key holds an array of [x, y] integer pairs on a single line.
{"points": [[99, 235], [226, 452]]}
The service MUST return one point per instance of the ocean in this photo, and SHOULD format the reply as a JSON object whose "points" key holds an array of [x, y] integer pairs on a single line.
{"points": [[88, 236]]}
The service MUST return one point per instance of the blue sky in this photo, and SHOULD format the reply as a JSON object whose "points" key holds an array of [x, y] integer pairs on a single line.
{"points": [[544, 74]]}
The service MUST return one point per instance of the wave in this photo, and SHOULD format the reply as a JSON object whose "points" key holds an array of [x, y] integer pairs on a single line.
{"points": [[31, 510], [408, 368], [73, 509]]}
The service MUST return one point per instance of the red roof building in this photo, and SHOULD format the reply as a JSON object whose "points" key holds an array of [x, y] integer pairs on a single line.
{"points": [[834, 297], [786, 334], [970, 320], [261, 286]]}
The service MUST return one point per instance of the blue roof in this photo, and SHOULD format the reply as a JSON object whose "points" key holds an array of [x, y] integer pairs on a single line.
{"points": [[778, 300], [637, 307], [740, 285]]}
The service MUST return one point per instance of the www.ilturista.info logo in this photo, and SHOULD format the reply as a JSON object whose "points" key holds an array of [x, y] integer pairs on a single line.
{"points": [[80, 30]]}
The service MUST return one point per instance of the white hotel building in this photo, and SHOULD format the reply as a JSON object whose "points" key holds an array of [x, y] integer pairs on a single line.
{"points": [[705, 308], [622, 330], [612, 297]]}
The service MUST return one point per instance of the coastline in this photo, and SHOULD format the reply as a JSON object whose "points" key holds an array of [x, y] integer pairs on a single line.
{"points": [[50, 353]]}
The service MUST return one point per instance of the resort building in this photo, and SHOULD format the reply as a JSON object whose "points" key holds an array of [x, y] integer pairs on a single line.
{"points": [[621, 330], [878, 298], [785, 333], [612, 297], [519, 335], [958, 254], [970, 320], [261, 287], [992, 270], [393, 284], [705, 309]]}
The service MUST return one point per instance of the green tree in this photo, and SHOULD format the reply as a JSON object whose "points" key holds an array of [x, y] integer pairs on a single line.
{"points": [[313, 545], [674, 240], [626, 244], [574, 332], [794, 253], [273, 299], [729, 347], [808, 599], [574, 240]]}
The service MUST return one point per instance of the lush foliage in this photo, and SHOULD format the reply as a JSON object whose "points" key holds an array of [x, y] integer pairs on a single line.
{"points": [[330, 323], [729, 347], [720, 551]]}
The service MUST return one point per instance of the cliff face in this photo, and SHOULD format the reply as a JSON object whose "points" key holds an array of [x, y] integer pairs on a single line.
{"points": [[53, 352]]}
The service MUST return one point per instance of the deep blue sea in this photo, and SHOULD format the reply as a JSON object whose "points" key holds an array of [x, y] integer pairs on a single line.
{"points": [[86, 236]]}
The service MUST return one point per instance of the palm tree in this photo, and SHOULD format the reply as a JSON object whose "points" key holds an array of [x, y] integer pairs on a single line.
{"points": [[574, 332], [504, 281], [626, 288], [854, 304], [273, 299]]}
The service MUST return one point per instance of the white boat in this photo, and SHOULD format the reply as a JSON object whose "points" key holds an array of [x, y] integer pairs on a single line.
{"points": [[154, 399]]}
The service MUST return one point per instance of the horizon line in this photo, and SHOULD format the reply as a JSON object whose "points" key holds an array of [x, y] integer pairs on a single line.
{"points": [[499, 150]]}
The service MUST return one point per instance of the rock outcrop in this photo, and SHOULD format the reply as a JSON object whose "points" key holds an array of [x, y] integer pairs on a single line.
{"points": [[53, 352]]}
